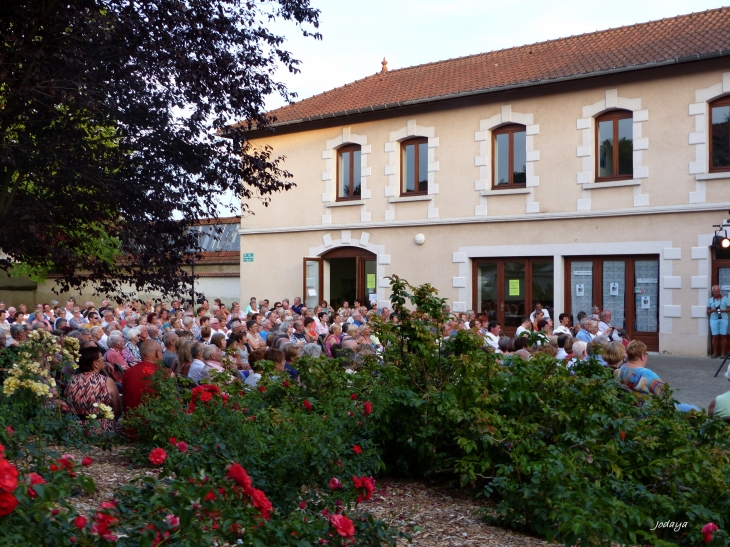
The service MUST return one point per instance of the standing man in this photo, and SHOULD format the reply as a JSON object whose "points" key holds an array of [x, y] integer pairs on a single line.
{"points": [[717, 309]]}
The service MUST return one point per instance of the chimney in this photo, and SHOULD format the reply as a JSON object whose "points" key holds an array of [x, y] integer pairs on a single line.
{"points": [[385, 66]]}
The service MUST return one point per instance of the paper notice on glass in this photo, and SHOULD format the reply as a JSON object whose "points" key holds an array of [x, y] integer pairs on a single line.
{"points": [[645, 302], [312, 292], [613, 291], [371, 281], [373, 297], [514, 287], [580, 289]]}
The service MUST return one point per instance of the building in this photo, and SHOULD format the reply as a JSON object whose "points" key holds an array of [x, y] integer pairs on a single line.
{"points": [[217, 272], [583, 171]]}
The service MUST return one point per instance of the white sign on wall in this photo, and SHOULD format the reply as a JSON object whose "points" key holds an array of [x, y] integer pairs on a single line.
{"points": [[579, 290]]}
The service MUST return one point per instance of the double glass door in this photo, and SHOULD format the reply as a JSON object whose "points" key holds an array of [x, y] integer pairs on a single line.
{"points": [[626, 286], [506, 290]]}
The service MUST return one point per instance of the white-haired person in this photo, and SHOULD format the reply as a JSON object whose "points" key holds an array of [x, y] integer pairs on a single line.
{"points": [[131, 351]]}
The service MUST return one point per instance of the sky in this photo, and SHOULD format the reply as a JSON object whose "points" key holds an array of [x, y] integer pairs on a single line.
{"points": [[358, 34]]}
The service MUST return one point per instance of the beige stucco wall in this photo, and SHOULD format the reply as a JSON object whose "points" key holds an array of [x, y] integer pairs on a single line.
{"points": [[668, 211]]}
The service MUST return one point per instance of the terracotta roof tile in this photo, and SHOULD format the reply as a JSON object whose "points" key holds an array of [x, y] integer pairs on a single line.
{"points": [[684, 38]]}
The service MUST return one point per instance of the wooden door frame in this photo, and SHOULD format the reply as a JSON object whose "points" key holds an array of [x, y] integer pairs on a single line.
{"points": [[717, 263], [500, 261], [361, 256], [651, 339]]}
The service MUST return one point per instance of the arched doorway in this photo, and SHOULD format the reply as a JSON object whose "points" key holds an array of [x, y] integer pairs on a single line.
{"points": [[342, 274]]}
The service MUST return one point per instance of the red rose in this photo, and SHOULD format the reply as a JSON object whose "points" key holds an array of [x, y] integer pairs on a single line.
{"points": [[87, 461], [707, 531], [224, 396], [206, 397], [212, 388], [366, 486], [307, 405], [62, 463], [80, 522], [34, 478], [10, 431], [356, 449], [335, 483], [173, 440], [238, 474], [353, 396], [191, 408], [8, 503], [367, 408], [303, 505], [182, 446], [286, 384], [262, 503], [210, 496], [173, 521], [262, 389], [8, 476], [2, 451], [343, 525], [158, 456], [623, 435]]}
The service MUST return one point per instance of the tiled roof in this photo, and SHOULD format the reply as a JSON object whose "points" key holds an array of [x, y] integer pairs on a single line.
{"points": [[668, 41]]}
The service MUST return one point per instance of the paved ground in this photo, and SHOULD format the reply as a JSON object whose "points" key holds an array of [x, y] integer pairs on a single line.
{"points": [[691, 378]]}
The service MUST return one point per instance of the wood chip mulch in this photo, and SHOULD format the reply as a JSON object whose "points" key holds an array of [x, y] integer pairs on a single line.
{"points": [[435, 516], [438, 516]]}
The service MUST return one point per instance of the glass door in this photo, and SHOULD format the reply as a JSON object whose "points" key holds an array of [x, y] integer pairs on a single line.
{"points": [[506, 290], [581, 288], [514, 295], [312, 282], [368, 281], [627, 286]]}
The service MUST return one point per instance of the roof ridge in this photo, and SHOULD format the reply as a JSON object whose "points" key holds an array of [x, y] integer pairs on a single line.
{"points": [[484, 53], [683, 38]]}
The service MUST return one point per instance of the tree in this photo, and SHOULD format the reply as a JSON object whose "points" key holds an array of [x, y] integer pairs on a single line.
{"points": [[111, 116]]}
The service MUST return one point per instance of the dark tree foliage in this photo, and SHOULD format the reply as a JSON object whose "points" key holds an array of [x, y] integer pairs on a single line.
{"points": [[111, 115]]}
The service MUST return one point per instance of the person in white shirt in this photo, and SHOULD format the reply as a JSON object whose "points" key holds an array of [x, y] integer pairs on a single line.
{"points": [[525, 326], [494, 329], [539, 308], [605, 327], [564, 326]]}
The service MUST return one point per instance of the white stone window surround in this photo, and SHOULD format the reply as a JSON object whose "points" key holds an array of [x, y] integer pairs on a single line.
{"points": [[701, 282], [667, 255], [346, 240], [587, 124], [700, 138], [392, 168], [329, 176], [484, 159]]}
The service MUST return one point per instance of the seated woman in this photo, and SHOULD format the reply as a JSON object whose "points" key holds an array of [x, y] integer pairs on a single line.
{"points": [[131, 351], [720, 405], [88, 387], [184, 358], [634, 374], [614, 354], [332, 339]]}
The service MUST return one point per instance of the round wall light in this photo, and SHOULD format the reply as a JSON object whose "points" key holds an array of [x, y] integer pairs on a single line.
{"points": [[420, 239]]}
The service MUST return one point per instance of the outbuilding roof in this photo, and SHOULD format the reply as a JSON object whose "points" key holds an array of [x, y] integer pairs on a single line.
{"points": [[685, 38]]}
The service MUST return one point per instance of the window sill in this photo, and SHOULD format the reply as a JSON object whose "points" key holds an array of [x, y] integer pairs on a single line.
{"points": [[506, 192], [611, 184], [713, 176], [349, 203], [405, 199]]}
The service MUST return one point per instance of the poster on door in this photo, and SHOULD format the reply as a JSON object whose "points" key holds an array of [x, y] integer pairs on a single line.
{"points": [[645, 302], [580, 290], [613, 289]]}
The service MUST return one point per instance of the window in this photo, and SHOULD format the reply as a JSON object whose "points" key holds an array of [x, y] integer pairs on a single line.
{"points": [[510, 156], [615, 146], [348, 172], [720, 135], [414, 166]]}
